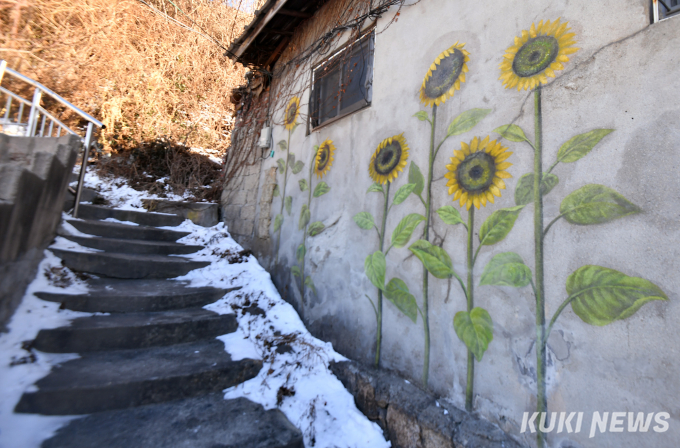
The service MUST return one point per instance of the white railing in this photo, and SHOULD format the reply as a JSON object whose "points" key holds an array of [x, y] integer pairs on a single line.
{"points": [[40, 122]]}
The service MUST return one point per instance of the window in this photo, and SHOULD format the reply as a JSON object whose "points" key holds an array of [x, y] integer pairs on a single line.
{"points": [[667, 8], [341, 85]]}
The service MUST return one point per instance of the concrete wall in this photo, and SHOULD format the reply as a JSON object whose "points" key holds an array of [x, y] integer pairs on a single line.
{"points": [[34, 174], [624, 77]]}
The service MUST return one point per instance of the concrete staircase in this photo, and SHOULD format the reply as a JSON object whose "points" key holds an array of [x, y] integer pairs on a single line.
{"points": [[150, 374]]}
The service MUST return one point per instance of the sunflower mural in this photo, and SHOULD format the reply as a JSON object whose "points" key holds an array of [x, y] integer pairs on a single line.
{"points": [[597, 295], [388, 160], [321, 163], [290, 123]]}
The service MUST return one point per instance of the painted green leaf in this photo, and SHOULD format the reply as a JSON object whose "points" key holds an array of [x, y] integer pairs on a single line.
{"points": [[277, 191], [475, 329], [405, 229], [581, 145], [402, 193], [321, 189], [282, 165], [376, 187], [434, 258], [300, 253], [316, 228], [283, 145], [278, 221], [602, 295], [397, 292], [416, 177], [305, 216], [422, 115], [364, 220], [303, 184], [524, 192], [299, 165], [296, 271], [375, 266], [450, 215], [506, 269], [295, 126], [511, 132], [596, 204], [498, 225], [466, 121], [310, 284], [289, 204]]}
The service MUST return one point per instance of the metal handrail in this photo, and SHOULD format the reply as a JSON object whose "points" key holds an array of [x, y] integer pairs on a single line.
{"points": [[37, 111]]}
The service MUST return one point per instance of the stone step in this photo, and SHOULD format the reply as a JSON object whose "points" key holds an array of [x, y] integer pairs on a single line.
{"points": [[135, 330], [130, 296], [126, 378], [130, 266], [88, 211], [204, 422], [117, 245], [126, 231]]}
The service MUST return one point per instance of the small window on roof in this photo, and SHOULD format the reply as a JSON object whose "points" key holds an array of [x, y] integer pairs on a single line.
{"points": [[668, 8], [342, 83]]}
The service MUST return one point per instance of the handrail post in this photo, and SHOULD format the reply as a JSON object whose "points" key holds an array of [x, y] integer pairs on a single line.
{"points": [[33, 115], [83, 168]]}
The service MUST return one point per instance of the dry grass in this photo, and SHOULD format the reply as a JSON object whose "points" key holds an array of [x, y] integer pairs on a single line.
{"points": [[142, 76]]}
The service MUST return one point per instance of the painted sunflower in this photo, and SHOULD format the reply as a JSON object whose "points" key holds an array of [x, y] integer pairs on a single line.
{"points": [[476, 172], [389, 159], [324, 158], [445, 75], [537, 54], [292, 112]]}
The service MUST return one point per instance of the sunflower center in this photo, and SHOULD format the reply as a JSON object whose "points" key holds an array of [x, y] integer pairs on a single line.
{"points": [[388, 158], [476, 172], [445, 75], [322, 161], [535, 56], [290, 114]]}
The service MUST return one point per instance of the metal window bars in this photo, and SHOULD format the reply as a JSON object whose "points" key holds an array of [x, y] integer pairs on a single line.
{"points": [[663, 9], [40, 122]]}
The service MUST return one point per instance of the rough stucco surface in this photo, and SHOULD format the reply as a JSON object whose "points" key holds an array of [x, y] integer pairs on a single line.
{"points": [[625, 77]]}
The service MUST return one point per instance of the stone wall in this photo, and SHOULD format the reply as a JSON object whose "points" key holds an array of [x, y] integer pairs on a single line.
{"points": [[34, 175]]}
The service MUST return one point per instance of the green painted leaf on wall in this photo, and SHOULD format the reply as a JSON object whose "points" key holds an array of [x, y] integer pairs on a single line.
{"points": [[498, 225], [299, 165], [277, 191], [524, 192], [364, 220], [295, 126], [300, 253], [321, 189], [402, 193], [506, 269], [278, 221], [283, 145], [305, 216], [303, 185], [511, 132], [422, 116], [596, 204], [281, 164], [289, 204], [416, 177], [434, 258], [296, 271], [310, 284], [375, 266], [316, 228], [466, 121], [405, 229], [581, 145], [376, 187], [475, 329], [602, 296], [450, 215], [397, 292]]}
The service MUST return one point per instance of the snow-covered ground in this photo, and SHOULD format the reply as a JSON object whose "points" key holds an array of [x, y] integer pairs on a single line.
{"points": [[294, 377]]}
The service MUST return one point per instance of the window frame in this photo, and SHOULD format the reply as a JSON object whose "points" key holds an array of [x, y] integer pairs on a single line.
{"points": [[356, 46]]}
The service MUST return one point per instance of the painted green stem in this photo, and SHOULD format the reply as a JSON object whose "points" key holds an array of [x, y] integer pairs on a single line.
{"points": [[283, 199], [558, 312], [541, 397], [304, 236], [380, 293], [469, 389]]}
